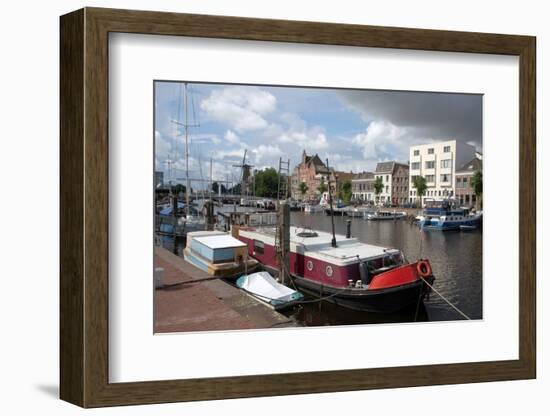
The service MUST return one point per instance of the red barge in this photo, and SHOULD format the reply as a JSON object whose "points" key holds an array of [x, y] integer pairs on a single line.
{"points": [[353, 274]]}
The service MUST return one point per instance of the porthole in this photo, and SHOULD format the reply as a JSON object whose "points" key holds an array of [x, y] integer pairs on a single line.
{"points": [[329, 271], [309, 265]]}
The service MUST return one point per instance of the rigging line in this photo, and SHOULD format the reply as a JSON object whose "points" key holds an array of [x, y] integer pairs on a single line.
{"points": [[445, 299], [196, 121], [176, 126]]}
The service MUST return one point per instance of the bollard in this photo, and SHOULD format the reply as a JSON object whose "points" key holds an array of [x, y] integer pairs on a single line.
{"points": [[348, 228]]}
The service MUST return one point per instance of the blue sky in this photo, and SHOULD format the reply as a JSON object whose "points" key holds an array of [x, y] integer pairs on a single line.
{"points": [[354, 129]]}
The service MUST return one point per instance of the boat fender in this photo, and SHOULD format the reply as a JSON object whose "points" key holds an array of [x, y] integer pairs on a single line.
{"points": [[423, 268]]}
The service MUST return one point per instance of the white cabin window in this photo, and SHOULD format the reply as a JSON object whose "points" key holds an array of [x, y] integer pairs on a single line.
{"points": [[258, 247]]}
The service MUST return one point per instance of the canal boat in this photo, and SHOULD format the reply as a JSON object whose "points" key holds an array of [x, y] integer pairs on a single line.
{"points": [[353, 274], [218, 254], [336, 211], [384, 215], [262, 286], [358, 212], [443, 216], [313, 209]]}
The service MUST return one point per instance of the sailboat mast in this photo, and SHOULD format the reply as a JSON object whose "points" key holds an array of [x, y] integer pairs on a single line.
{"points": [[211, 178], [188, 187]]}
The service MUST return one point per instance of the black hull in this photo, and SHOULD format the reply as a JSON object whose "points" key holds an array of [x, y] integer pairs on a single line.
{"points": [[388, 300]]}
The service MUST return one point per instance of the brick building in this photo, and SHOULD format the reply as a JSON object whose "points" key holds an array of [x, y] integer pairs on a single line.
{"points": [[311, 171], [464, 191]]}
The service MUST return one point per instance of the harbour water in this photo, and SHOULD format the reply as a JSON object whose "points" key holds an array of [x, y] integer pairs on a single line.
{"points": [[456, 259]]}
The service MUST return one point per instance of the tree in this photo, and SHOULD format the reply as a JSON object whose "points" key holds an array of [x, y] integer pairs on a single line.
{"points": [[179, 188], [303, 188], [378, 187], [215, 187], [477, 185], [267, 183], [420, 184], [322, 188], [345, 192]]}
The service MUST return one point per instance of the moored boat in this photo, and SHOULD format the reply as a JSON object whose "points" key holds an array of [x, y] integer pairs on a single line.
{"points": [[313, 209], [384, 215], [218, 254], [444, 217], [353, 274], [265, 288]]}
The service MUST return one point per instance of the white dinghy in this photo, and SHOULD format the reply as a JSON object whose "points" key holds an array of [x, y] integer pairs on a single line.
{"points": [[265, 288]]}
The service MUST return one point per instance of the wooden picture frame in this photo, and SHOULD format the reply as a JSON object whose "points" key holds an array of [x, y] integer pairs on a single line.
{"points": [[84, 207]]}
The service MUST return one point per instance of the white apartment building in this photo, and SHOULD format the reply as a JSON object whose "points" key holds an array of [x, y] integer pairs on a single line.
{"points": [[437, 163]]}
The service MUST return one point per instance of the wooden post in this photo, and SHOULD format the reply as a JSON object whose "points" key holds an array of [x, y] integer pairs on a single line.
{"points": [[284, 240], [209, 215]]}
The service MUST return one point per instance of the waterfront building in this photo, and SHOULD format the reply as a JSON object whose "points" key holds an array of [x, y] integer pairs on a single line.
{"points": [[362, 186], [312, 171], [438, 164], [464, 190], [395, 177]]}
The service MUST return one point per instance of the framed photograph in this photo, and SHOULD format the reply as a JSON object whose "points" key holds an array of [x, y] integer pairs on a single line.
{"points": [[255, 207]]}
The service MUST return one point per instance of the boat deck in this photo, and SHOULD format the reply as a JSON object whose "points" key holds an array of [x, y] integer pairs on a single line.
{"points": [[207, 305]]}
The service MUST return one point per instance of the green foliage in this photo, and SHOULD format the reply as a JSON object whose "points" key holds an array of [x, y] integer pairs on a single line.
{"points": [[420, 184], [303, 188], [378, 186], [267, 182], [345, 191], [477, 183], [215, 187], [179, 188], [322, 187]]}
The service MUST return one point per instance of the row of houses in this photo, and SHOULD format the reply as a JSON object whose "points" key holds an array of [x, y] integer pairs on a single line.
{"points": [[448, 168]]}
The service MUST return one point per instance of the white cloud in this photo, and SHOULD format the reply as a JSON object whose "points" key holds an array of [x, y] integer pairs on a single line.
{"points": [[384, 141], [231, 137], [231, 153], [163, 146], [242, 108], [299, 133], [263, 152]]}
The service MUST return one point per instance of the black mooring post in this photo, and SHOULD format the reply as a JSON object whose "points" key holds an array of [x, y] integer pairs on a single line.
{"points": [[348, 228], [333, 242]]}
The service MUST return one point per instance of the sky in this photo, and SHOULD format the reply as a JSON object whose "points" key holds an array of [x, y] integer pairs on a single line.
{"points": [[354, 129]]}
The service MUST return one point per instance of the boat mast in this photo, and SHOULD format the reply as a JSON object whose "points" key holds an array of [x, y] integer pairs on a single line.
{"points": [[333, 242], [187, 186]]}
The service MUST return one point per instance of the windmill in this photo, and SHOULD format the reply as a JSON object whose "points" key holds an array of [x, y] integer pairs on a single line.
{"points": [[245, 174]]}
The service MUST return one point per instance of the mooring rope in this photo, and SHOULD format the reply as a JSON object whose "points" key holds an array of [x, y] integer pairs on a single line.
{"points": [[445, 299]]}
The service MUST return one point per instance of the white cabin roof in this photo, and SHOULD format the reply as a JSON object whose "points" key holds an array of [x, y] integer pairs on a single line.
{"points": [[219, 241], [348, 250]]}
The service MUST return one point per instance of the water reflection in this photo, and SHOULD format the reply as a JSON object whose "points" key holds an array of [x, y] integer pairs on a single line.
{"points": [[456, 259]]}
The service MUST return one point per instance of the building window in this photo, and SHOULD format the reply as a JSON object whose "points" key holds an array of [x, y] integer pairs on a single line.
{"points": [[430, 164], [447, 149], [430, 178], [431, 151], [416, 152], [446, 163], [445, 177], [415, 165], [387, 178]]}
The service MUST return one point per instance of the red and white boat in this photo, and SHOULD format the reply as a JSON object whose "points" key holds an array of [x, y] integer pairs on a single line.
{"points": [[353, 274]]}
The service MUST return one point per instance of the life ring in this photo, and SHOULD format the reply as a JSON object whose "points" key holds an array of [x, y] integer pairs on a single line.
{"points": [[423, 268]]}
